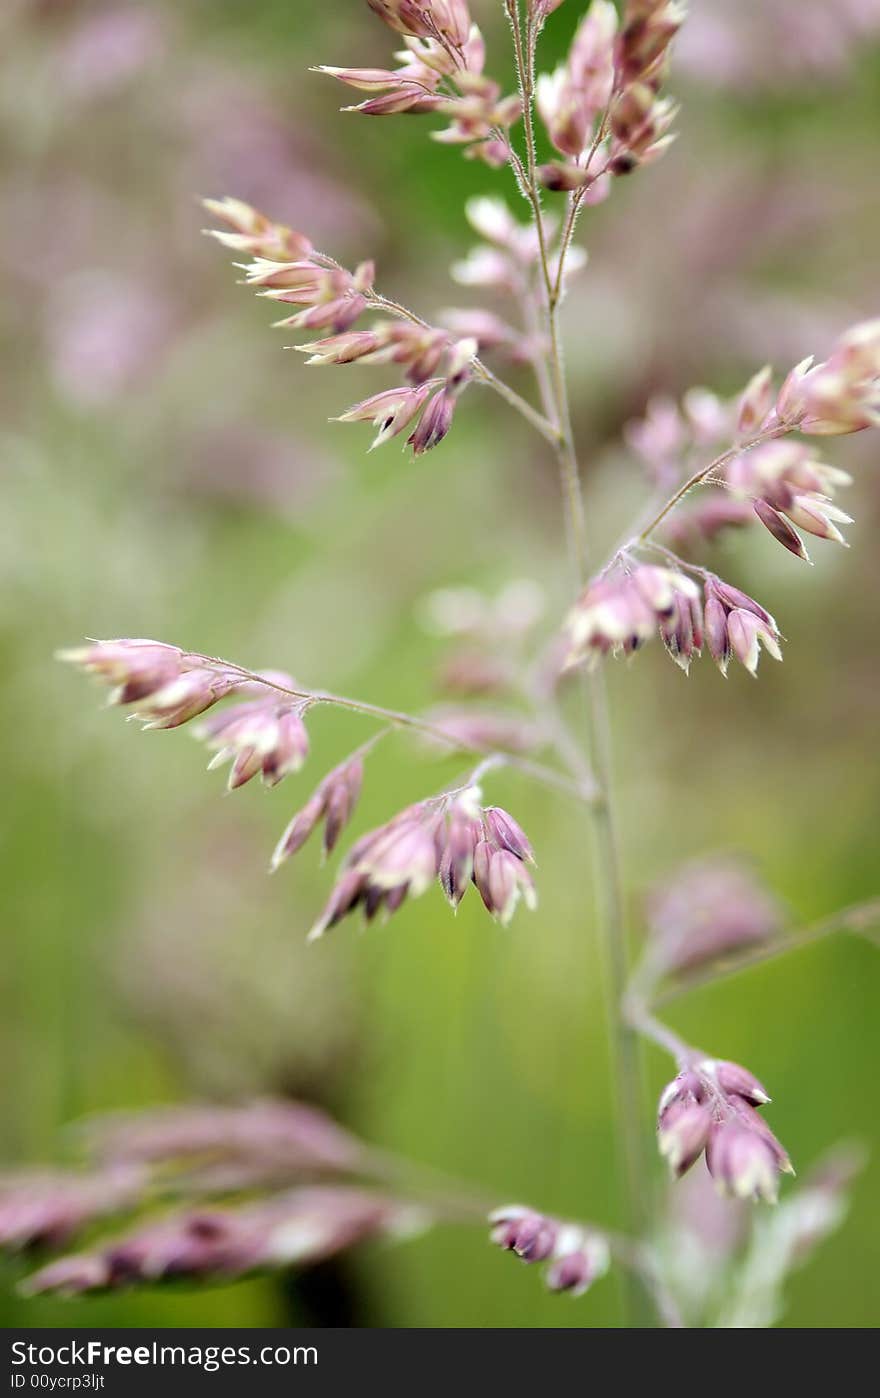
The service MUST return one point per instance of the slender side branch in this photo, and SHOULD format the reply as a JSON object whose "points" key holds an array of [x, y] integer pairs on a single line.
{"points": [[862, 919], [656, 519], [538, 420], [582, 789], [575, 203], [457, 1198], [565, 241], [396, 308]]}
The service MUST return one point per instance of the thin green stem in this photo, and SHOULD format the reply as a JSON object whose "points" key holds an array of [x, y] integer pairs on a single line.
{"points": [[547, 775], [454, 1199], [532, 310], [698, 477], [542, 424], [643, 1022], [574, 205], [566, 454], [525, 70], [396, 308], [626, 1055]]}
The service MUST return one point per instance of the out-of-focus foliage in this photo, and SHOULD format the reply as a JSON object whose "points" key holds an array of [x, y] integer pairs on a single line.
{"points": [[168, 470]]}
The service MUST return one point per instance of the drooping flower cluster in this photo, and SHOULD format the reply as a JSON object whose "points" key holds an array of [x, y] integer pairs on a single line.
{"points": [[170, 687], [249, 232], [442, 72], [432, 401], [629, 605], [775, 478], [601, 108], [785, 478], [787, 483], [296, 1186], [298, 1228], [841, 394], [577, 1256], [737, 625], [287, 269], [333, 801], [228, 1146], [837, 396], [712, 1107], [707, 909], [620, 612], [264, 735], [46, 1208], [332, 298], [452, 839], [574, 96]]}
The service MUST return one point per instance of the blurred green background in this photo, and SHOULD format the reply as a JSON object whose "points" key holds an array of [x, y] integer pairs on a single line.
{"points": [[168, 471]]}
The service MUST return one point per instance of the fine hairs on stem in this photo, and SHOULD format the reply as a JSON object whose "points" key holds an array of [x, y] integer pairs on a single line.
{"points": [[562, 138]]}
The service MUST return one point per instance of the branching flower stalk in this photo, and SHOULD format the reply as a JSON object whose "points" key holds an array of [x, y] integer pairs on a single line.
{"points": [[604, 115], [607, 856], [629, 1089], [435, 732]]}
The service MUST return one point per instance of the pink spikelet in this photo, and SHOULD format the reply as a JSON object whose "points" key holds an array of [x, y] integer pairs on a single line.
{"points": [[333, 802], [452, 839], [287, 269], [265, 735], [576, 1256], [711, 1107], [168, 686], [220, 1244]]}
